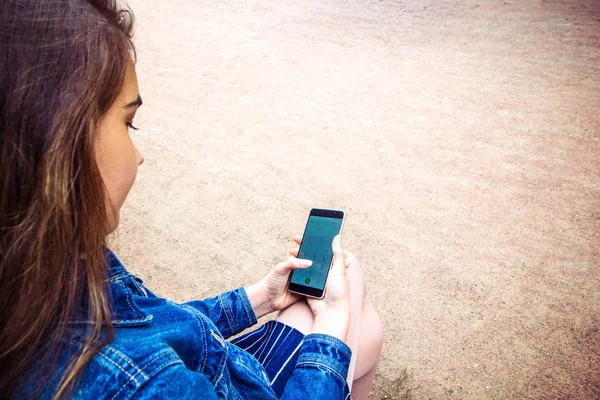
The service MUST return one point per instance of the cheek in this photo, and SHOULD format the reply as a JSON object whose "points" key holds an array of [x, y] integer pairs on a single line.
{"points": [[125, 173], [118, 167]]}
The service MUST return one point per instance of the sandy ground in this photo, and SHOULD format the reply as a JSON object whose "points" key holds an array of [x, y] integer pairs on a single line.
{"points": [[461, 137]]}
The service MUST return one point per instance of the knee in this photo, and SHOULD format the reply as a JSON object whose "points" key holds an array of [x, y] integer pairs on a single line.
{"points": [[375, 326]]}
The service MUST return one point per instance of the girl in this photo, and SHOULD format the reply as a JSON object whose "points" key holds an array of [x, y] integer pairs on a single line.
{"points": [[74, 322]]}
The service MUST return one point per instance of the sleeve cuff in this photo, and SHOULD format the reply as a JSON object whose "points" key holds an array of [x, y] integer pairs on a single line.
{"points": [[238, 310], [326, 352]]}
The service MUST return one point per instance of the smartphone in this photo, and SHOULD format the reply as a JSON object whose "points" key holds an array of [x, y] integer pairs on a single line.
{"points": [[321, 228]]}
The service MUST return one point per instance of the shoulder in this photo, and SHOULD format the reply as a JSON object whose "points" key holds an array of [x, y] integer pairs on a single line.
{"points": [[113, 374], [176, 382]]}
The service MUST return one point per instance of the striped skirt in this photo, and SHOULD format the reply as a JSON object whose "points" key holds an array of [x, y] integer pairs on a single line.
{"points": [[277, 347]]}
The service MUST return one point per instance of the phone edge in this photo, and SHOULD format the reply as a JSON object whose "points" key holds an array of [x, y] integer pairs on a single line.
{"points": [[330, 265]]}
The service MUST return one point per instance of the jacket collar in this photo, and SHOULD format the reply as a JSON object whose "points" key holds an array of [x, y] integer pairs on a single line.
{"points": [[121, 284], [124, 311], [116, 269]]}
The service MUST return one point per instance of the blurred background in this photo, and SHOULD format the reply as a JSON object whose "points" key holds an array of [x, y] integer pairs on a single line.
{"points": [[461, 137]]}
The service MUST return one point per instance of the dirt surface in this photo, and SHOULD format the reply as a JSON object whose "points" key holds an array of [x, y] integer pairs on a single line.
{"points": [[461, 137]]}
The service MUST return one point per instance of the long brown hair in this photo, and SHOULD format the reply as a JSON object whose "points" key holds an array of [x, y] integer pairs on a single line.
{"points": [[63, 63]]}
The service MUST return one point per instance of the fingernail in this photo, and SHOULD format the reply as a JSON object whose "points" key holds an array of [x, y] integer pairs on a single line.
{"points": [[307, 263]]}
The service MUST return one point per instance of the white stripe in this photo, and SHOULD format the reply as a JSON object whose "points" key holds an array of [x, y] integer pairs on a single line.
{"points": [[247, 335], [274, 343], [243, 338], [264, 345], [246, 347], [258, 342], [285, 363]]}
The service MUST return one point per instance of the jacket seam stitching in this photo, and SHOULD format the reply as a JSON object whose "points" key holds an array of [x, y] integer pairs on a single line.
{"points": [[314, 363], [162, 367], [119, 277], [146, 378], [126, 359], [127, 296], [319, 337], [248, 307], [221, 368], [204, 339], [137, 385], [151, 372], [139, 286], [118, 366], [194, 312], [228, 314]]}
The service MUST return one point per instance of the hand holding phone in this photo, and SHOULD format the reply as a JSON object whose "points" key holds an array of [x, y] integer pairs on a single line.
{"points": [[329, 298], [332, 313], [272, 292], [321, 228]]}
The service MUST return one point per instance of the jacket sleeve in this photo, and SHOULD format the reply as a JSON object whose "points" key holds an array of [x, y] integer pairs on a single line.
{"points": [[231, 312], [321, 370], [176, 383]]}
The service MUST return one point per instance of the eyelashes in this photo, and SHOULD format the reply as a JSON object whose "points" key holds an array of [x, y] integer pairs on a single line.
{"points": [[130, 125]]}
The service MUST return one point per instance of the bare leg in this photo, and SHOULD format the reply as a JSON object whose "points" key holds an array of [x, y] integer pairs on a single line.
{"points": [[364, 336], [356, 278], [298, 315], [369, 350]]}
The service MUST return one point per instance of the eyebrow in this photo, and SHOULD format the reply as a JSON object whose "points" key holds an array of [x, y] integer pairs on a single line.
{"points": [[136, 103]]}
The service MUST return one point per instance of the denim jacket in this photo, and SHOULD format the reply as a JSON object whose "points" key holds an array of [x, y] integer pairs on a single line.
{"points": [[166, 350]]}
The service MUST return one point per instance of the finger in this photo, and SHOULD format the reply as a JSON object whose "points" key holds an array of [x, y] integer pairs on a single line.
{"points": [[293, 263], [294, 252], [297, 239], [338, 254]]}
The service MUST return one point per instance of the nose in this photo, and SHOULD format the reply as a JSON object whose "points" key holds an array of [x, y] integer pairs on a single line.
{"points": [[139, 157]]}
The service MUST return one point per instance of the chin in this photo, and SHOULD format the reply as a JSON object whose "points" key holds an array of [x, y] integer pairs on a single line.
{"points": [[114, 223]]}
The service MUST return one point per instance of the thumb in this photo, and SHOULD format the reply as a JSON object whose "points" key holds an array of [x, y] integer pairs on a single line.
{"points": [[338, 253], [292, 263]]}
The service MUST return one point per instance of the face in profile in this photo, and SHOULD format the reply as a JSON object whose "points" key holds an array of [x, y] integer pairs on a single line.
{"points": [[116, 155]]}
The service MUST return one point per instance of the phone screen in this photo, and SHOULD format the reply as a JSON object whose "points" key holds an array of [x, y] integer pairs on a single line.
{"points": [[316, 246]]}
